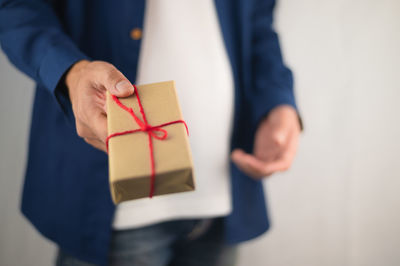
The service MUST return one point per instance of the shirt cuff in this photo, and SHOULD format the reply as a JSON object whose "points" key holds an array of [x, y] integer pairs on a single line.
{"points": [[55, 64]]}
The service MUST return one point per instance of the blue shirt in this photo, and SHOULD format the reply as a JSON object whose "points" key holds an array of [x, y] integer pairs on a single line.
{"points": [[66, 193]]}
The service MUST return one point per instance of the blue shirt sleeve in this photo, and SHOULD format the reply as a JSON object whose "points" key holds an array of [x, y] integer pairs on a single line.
{"points": [[32, 38], [272, 80]]}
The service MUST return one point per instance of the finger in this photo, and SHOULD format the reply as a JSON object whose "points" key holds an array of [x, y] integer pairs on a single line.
{"points": [[270, 140], [97, 144], [288, 153], [90, 136], [283, 126], [99, 126], [101, 101], [257, 168], [249, 164], [83, 130], [266, 151], [285, 158], [279, 165], [114, 81], [280, 133]]}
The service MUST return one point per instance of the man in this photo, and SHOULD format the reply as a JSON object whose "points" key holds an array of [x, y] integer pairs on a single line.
{"points": [[236, 96]]}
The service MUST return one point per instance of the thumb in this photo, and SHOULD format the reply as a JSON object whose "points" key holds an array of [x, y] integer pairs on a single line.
{"points": [[122, 88], [115, 82]]}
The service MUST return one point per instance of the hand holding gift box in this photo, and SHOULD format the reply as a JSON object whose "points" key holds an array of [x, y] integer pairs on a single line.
{"points": [[148, 145]]}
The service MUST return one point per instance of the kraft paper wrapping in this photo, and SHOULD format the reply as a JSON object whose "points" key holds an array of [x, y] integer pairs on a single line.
{"points": [[129, 155]]}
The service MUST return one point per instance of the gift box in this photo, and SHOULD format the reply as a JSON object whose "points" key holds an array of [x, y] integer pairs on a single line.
{"points": [[148, 146]]}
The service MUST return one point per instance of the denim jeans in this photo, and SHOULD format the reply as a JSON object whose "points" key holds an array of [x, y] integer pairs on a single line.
{"points": [[173, 243]]}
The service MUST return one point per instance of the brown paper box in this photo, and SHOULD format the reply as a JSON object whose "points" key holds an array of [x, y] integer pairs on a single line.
{"points": [[129, 155]]}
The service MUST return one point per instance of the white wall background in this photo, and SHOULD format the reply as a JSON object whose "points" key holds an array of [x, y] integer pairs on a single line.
{"points": [[340, 202]]}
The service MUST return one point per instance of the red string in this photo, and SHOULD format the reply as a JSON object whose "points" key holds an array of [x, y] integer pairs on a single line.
{"points": [[145, 127]]}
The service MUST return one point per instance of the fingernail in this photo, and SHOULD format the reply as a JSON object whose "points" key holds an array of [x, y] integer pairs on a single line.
{"points": [[124, 86]]}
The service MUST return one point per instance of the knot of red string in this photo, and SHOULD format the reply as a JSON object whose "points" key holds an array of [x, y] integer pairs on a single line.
{"points": [[156, 132]]}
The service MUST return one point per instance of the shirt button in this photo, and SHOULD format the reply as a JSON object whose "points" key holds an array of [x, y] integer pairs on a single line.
{"points": [[136, 34]]}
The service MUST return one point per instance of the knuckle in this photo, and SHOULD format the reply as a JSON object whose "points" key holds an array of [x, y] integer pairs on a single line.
{"points": [[89, 141], [80, 130], [286, 165], [262, 174], [278, 138], [265, 171]]}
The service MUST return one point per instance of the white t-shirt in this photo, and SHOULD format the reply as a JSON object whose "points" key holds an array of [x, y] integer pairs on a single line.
{"points": [[182, 41]]}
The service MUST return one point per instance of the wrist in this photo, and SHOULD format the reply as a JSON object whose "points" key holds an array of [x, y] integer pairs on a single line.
{"points": [[287, 112]]}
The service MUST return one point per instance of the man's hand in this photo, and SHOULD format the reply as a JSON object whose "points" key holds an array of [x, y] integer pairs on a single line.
{"points": [[275, 144], [87, 84]]}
